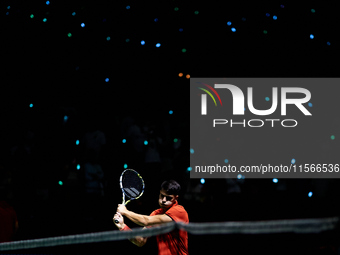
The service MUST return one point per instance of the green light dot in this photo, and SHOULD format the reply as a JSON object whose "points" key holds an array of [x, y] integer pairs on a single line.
{"points": [[265, 32], [196, 12], [176, 9], [31, 16], [332, 137], [312, 10], [184, 50], [69, 34], [60, 183], [44, 20], [175, 140], [127, 40]]}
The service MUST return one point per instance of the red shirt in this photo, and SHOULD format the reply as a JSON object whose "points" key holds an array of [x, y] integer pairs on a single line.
{"points": [[175, 242]]}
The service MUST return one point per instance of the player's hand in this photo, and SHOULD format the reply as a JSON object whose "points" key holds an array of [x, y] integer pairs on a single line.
{"points": [[121, 209], [120, 224]]}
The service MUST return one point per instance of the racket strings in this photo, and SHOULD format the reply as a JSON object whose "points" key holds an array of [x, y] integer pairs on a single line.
{"points": [[132, 184]]}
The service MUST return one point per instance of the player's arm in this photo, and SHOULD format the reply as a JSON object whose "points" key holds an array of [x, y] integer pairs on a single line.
{"points": [[143, 220], [138, 240]]}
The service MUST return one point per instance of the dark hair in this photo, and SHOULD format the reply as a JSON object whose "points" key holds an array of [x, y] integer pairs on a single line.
{"points": [[171, 187]]}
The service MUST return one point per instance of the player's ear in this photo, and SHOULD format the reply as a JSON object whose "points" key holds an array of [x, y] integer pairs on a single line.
{"points": [[176, 197]]}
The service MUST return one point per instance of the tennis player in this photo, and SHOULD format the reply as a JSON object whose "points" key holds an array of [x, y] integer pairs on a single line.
{"points": [[175, 242]]}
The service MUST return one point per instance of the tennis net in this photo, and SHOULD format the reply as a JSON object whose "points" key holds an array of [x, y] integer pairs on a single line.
{"points": [[235, 236]]}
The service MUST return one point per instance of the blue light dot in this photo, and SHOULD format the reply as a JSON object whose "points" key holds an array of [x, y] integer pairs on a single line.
{"points": [[73, 13], [65, 118], [226, 161], [31, 105], [180, 30], [107, 80], [192, 151], [293, 161], [108, 38], [125, 166], [267, 99], [8, 7], [275, 180], [78, 167], [142, 42], [267, 14], [158, 45], [274, 17], [229, 23], [124, 141], [44, 20], [202, 180], [311, 36], [239, 176], [310, 104], [233, 29], [145, 142], [82, 24], [328, 43], [189, 169], [310, 194], [128, 7], [77, 142], [155, 20], [171, 112], [47, 2], [127, 40]]}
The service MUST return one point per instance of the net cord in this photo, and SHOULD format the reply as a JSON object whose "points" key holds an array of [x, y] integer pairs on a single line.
{"points": [[297, 226]]}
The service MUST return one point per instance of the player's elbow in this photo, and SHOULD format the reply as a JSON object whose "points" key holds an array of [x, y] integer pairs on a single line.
{"points": [[140, 241], [145, 221]]}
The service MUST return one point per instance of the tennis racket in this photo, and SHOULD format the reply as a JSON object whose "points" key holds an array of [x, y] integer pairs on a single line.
{"points": [[132, 186]]}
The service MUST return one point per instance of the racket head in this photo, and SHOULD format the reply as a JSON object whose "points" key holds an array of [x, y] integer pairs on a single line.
{"points": [[131, 184]]}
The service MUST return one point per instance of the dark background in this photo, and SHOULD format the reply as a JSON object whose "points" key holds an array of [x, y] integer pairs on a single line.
{"points": [[65, 76]]}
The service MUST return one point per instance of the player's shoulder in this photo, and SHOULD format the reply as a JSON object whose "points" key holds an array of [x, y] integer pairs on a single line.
{"points": [[178, 208], [157, 211], [178, 213]]}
